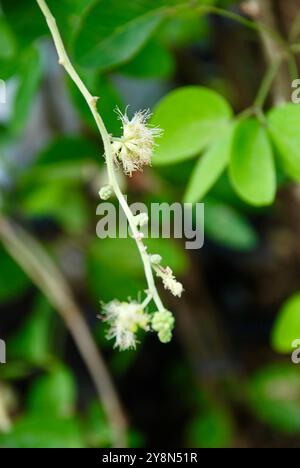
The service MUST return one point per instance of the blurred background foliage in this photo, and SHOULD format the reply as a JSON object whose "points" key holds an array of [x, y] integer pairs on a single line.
{"points": [[226, 380]]}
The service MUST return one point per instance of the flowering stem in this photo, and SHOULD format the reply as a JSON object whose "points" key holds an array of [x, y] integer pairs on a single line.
{"points": [[92, 103]]}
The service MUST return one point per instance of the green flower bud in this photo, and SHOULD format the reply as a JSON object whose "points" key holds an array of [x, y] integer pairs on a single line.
{"points": [[105, 192], [163, 323]]}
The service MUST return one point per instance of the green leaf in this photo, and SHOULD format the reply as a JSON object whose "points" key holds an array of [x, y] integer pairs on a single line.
{"points": [[7, 41], [209, 167], [212, 429], [97, 430], [64, 202], [226, 226], [13, 281], [185, 29], [190, 117], [28, 22], [54, 393], [64, 159], [65, 149], [287, 325], [32, 342], [29, 77], [25, 19], [284, 130], [274, 394], [112, 32], [252, 170], [43, 431], [154, 60]]}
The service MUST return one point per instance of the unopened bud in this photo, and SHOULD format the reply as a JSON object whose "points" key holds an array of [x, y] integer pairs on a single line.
{"points": [[105, 192], [155, 259]]}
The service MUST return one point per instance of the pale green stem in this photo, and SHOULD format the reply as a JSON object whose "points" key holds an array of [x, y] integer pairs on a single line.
{"points": [[92, 103], [267, 83]]}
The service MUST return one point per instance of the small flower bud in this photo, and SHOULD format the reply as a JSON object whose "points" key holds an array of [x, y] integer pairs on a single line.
{"points": [[163, 323], [105, 192], [155, 259]]}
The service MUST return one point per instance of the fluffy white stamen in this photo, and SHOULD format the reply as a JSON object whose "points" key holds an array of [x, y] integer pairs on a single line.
{"points": [[135, 148], [125, 319]]}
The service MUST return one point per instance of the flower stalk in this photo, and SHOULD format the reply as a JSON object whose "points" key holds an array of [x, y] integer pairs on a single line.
{"points": [[132, 150]]}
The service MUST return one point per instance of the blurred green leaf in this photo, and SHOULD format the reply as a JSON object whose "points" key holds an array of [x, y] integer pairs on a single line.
{"points": [[29, 74], [32, 342], [25, 19], [28, 22], [70, 149], [252, 169], [284, 130], [65, 160], [65, 203], [209, 167], [183, 29], [53, 394], [7, 40], [228, 227], [43, 431], [97, 430], [286, 328], [191, 117], [14, 282], [15, 370], [112, 32], [211, 429], [9, 50], [274, 394], [154, 60], [68, 14]]}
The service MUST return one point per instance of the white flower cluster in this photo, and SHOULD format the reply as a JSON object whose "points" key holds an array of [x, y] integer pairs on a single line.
{"points": [[127, 318], [167, 276], [135, 148]]}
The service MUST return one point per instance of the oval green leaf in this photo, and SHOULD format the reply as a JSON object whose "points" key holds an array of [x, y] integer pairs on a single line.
{"points": [[209, 167], [252, 169], [190, 118], [228, 227], [284, 124], [113, 32], [287, 326], [274, 396]]}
